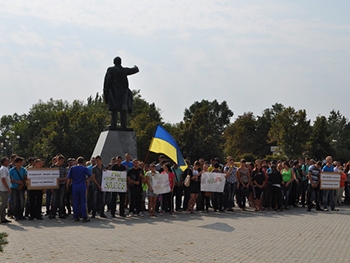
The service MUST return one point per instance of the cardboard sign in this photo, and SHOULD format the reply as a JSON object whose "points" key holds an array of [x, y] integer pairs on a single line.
{"points": [[43, 178], [213, 182], [160, 184], [330, 180], [114, 181], [42, 183]]}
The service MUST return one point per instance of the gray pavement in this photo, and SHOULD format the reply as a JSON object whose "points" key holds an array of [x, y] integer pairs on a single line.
{"points": [[290, 236]]}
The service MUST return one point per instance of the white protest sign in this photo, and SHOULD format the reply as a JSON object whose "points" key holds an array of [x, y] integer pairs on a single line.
{"points": [[43, 182], [330, 176], [213, 182], [43, 173], [114, 181], [330, 180], [43, 178], [329, 185], [160, 184]]}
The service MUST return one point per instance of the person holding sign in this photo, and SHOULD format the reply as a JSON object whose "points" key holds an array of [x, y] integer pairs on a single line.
{"points": [[59, 194], [36, 197], [328, 193], [217, 196], [152, 197], [121, 168]]}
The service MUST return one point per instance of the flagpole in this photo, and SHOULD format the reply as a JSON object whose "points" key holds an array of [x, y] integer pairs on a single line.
{"points": [[151, 144], [146, 157]]}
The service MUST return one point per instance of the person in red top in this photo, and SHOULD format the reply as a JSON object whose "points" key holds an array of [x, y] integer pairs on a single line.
{"points": [[168, 198], [339, 192]]}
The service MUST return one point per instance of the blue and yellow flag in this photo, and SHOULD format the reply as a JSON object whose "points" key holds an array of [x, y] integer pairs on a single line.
{"points": [[163, 142]]}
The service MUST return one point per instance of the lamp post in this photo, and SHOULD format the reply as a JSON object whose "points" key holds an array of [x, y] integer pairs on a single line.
{"points": [[10, 142]]}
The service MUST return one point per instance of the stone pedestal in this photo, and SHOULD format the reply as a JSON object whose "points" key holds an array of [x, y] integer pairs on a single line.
{"points": [[112, 143]]}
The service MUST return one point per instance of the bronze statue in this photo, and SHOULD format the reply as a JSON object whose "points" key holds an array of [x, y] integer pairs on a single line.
{"points": [[116, 92]]}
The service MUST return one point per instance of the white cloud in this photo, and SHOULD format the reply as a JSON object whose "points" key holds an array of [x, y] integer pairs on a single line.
{"points": [[186, 50]]}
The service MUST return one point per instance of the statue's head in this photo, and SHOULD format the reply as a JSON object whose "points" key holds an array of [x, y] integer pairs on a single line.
{"points": [[117, 61]]}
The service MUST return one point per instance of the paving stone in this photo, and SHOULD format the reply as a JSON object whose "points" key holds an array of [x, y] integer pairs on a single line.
{"points": [[290, 236]]}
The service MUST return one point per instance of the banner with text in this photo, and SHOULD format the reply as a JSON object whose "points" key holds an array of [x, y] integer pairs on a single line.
{"points": [[213, 182], [43, 178], [330, 180], [114, 181], [160, 184]]}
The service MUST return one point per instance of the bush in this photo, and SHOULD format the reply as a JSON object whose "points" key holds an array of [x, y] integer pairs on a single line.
{"points": [[3, 241]]}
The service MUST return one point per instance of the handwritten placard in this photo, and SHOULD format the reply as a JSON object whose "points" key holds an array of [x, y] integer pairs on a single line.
{"points": [[213, 182], [160, 184], [114, 181]]}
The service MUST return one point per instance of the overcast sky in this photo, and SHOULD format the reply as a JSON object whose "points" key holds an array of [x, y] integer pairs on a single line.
{"points": [[250, 53]]}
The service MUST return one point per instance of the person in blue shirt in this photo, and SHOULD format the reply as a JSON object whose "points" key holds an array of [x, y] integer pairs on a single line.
{"points": [[328, 193], [128, 163], [78, 176], [18, 175]]}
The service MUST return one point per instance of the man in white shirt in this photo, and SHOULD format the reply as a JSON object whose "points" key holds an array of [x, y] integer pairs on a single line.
{"points": [[5, 189]]}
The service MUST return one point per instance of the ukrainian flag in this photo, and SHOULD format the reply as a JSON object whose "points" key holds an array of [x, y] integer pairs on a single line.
{"points": [[163, 142]]}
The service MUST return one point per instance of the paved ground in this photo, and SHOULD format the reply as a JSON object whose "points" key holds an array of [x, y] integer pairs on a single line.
{"points": [[291, 236]]}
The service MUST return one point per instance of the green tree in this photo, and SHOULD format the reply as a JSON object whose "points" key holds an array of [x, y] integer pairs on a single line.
{"points": [[339, 130], [319, 144], [144, 120], [249, 135], [263, 126], [240, 136], [201, 133], [291, 130]]}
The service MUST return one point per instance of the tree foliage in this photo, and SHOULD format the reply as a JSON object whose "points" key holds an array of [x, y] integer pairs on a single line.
{"points": [[200, 133], [319, 144], [206, 131], [144, 120], [291, 130]]}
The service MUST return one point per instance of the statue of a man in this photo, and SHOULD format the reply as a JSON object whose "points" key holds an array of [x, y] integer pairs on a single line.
{"points": [[116, 92]]}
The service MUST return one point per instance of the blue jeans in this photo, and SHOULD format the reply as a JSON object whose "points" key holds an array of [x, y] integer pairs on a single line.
{"points": [[285, 194], [58, 200], [243, 193], [4, 198], [316, 192], [329, 193], [98, 201], [230, 191], [18, 203]]}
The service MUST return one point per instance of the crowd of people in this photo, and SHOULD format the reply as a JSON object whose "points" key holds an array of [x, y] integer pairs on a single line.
{"points": [[260, 185]]}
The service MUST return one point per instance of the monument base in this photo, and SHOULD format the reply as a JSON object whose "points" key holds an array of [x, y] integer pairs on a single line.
{"points": [[112, 143]]}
